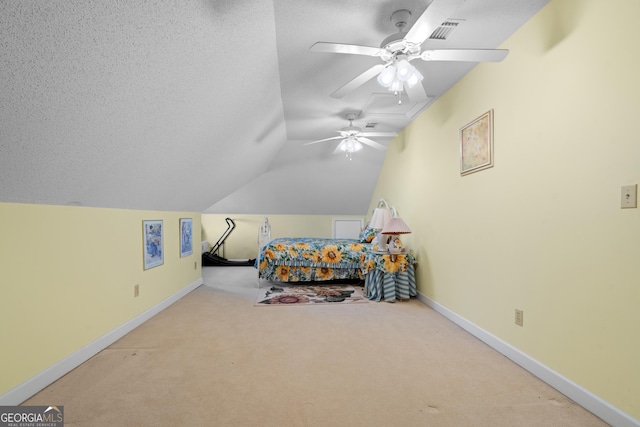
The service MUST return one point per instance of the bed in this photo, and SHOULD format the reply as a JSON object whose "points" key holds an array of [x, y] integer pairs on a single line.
{"points": [[385, 277], [311, 259]]}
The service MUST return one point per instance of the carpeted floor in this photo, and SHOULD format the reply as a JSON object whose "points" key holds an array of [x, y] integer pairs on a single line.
{"points": [[214, 359]]}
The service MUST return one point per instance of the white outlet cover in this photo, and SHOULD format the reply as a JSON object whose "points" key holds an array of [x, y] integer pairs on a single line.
{"points": [[629, 196]]}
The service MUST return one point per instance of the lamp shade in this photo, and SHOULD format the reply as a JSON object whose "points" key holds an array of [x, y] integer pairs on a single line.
{"points": [[405, 70], [414, 78], [395, 225], [379, 218], [387, 75]]}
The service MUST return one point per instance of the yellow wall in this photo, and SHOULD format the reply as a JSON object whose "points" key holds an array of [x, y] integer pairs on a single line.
{"points": [[542, 230], [67, 276], [242, 243]]}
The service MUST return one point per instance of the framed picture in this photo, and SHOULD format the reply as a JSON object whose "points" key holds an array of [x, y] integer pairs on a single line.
{"points": [[186, 240], [153, 243], [476, 144]]}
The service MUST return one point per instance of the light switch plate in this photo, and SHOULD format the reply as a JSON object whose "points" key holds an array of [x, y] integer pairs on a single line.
{"points": [[629, 196]]}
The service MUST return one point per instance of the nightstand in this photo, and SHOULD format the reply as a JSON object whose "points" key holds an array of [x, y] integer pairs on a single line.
{"points": [[389, 277]]}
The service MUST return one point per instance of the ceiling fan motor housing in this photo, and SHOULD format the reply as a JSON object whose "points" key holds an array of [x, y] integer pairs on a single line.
{"points": [[351, 129], [395, 42]]}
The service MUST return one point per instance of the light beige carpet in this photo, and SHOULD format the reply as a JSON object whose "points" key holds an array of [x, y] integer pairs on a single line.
{"points": [[213, 359]]}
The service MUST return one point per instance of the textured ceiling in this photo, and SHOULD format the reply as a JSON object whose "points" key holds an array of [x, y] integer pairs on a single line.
{"points": [[203, 105]]}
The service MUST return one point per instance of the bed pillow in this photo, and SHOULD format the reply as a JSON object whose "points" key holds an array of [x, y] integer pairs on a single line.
{"points": [[368, 234]]}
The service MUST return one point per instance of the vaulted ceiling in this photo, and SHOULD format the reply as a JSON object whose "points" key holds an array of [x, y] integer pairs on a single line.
{"points": [[207, 105]]}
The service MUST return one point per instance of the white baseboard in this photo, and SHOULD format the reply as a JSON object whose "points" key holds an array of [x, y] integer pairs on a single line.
{"points": [[38, 382], [607, 412]]}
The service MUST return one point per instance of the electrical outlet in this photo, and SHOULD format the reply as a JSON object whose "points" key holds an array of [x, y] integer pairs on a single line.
{"points": [[519, 317], [136, 290], [628, 196]]}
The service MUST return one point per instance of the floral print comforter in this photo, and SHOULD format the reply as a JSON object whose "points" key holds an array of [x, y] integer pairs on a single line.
{"points": [[312, 259]]}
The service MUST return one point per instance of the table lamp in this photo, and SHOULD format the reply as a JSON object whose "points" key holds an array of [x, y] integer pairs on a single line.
{"points": [[381, 215], [394, 227]]}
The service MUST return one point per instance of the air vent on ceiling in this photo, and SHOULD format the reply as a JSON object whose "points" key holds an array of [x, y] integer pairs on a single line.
{"points": [[370, 125], [444, 30]]}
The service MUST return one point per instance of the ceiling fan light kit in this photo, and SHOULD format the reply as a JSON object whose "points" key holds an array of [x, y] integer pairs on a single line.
{"points": [[349, 146], [397, 73]]}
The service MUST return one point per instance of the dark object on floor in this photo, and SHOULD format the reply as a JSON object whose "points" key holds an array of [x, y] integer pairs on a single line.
{"points": [[212, 259]]}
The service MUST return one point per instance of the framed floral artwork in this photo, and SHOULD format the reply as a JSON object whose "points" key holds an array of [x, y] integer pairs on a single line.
{"points": [[476, 144], [153, 243], [186, 240]]}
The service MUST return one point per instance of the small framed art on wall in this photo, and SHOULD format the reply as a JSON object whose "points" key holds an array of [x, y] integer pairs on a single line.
{"points": [[476, 144], [153, 243]]}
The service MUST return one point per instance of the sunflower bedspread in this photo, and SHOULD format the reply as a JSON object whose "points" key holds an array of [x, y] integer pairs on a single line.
{"points": [[312, 259]]}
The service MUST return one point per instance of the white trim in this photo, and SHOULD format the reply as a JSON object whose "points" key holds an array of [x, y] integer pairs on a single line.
{"points": [[602, 409], [33, 385]]}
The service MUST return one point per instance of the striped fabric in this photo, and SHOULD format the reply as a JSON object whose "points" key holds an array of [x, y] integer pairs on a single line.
{"points": [[379, 285]]}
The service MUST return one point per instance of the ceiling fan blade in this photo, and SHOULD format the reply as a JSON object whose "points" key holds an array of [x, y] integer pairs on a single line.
{"points": [[416, 93], [322, 140], [338, 149], [371, 143], [379, 134], [352, 49], [358, 81], [470, 55], [437, 12]]}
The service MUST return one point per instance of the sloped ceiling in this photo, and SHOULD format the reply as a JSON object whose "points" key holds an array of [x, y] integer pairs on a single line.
{"points": [[205, 105]]}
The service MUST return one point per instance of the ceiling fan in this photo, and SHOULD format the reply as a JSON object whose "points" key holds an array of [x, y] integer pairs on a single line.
{"points": [[353, 137], [397, 50]]}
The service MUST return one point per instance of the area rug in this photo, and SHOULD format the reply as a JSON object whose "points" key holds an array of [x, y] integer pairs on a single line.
{"points": [[285, 294]]}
